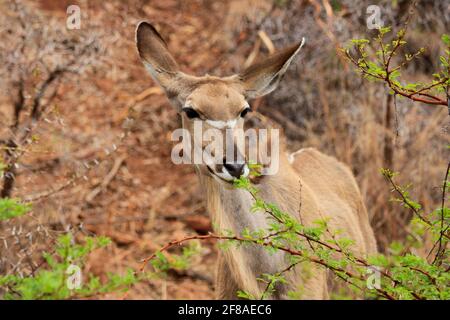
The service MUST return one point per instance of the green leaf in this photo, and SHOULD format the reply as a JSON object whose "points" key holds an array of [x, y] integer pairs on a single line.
{"points": [[11, 208]]}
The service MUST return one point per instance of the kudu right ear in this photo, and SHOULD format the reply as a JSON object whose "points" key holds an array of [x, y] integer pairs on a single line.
{"points": [[263, 77], [155, 55]]}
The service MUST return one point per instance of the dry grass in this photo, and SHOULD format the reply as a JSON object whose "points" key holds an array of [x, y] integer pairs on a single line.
{"points": [[147, 201]]}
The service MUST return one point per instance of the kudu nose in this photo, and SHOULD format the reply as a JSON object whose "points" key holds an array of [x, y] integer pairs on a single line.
{"points": [[234, 168]]}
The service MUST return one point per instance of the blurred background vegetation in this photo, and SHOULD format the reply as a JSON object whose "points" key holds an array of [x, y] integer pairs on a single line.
{"points": [[66, 96]]}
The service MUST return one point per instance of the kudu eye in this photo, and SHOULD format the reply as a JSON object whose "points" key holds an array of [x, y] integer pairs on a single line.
{"points": [[191, 113], [244, 112]]}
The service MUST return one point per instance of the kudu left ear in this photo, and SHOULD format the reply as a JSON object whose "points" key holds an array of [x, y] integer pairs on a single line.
{"points": [[155, 55], [263, 77]]}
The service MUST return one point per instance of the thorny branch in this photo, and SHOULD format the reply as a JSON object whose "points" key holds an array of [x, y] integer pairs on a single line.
{"points": [[408, 203], [266, 241], [441, 249], [290, 251], [423, 94]]}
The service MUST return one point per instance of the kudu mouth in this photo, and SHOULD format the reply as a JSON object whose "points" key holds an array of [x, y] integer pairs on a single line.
{"points": [[228, 175]]}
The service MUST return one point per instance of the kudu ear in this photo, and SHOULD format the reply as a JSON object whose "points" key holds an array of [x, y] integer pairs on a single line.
{"points": [[154, 54], [263, 77]]}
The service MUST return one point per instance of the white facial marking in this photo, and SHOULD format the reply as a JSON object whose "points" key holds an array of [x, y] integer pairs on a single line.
{"points": [[246, 171], [291, 157], [231, 123], [188, 104], [222, 124], [216, 124]]}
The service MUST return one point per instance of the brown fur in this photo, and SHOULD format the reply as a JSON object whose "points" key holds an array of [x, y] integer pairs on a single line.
{"points": [[312, 187]]}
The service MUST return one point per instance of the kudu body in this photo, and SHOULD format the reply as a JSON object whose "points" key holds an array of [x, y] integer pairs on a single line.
{"points": [[308, 185]]}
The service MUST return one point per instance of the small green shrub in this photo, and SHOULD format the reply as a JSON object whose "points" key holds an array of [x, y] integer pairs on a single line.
{"points": [[403, 274], [62, 277], [11, 208], [374, 60]]}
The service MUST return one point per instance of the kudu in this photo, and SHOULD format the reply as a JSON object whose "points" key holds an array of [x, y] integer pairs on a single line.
{"points": [[308, 185]]}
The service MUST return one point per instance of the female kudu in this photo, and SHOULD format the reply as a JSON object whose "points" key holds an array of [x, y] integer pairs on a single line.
{"points": [[308, 181]]}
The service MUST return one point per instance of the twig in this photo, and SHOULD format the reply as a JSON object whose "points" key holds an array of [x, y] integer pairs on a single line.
{"points": [[318, 261], [269, 283], [440, 252], [411, 95], [107, 180], [407, 202]]}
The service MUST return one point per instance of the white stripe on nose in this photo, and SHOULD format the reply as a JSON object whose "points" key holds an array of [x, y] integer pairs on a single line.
{"points": [[222, 124]]}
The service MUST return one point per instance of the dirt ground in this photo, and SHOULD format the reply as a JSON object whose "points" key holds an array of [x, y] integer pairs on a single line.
{"points": [[136, 195]]}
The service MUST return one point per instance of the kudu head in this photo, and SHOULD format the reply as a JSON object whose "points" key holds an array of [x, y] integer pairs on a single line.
{"points": [[218, 103]]}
